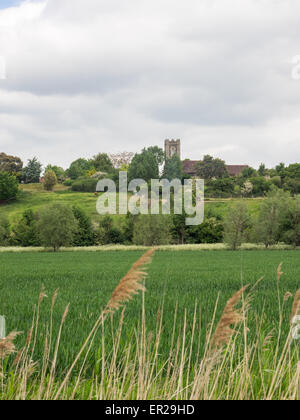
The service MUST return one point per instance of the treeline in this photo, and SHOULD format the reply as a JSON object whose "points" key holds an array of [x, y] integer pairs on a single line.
{"points": [[57, 225], [151, 163]]}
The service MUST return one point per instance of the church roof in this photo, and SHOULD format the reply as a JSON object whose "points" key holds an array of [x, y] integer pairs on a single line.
{"points": [[188, 167]]}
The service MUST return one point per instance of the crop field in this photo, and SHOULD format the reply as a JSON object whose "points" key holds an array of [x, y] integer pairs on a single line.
{"points": [[176, 282]]}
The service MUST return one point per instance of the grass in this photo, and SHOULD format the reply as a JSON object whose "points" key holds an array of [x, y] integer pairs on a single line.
{"points": [[176, 311], [32, 196]]}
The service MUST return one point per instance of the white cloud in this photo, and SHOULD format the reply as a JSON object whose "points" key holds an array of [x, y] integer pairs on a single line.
{"points": [[96, 75]]}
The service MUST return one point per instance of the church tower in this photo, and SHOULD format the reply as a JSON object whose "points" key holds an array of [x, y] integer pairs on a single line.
{"points": [[172, 147]]}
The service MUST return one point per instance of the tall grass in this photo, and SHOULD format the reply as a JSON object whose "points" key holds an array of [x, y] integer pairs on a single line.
{"points": [[232, 365]]}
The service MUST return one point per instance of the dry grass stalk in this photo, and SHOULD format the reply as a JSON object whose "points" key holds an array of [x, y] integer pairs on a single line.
{"points": [[7, 345], [231, 316], [287, 296], [279, 272], [130, 284], [296, 305]]}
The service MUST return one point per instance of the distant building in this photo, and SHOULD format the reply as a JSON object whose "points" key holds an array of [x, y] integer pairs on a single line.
{"points": [[188, 166]]}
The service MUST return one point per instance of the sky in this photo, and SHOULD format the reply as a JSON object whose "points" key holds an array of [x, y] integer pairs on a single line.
{"points": [[90, 76]]}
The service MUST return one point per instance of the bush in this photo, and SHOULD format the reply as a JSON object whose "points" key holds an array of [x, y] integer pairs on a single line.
{"points": [[84, 185], [8, 186], [50, 180], [4, 231], [151, 230], [25, 232], [57, 226], [107, 233], [236, 224], [209, 232], [84, 235]]}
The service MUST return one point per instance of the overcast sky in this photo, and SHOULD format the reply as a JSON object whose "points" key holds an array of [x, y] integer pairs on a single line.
{"points": [[89, 76]]}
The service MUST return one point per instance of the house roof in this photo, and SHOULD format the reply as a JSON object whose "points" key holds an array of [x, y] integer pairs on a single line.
{"points": [[188, 167]]}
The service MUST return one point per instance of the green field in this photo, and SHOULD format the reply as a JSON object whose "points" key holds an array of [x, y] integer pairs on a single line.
{"points": [[32, 196], [87, 279]]}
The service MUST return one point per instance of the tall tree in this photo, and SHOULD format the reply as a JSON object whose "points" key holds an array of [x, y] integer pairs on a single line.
{"points": [[11, 164], [209, 168], [236, 223], [9, 186], [79, 168], [145, 165], [102, 163], [32, 172], [173, 168], [57, 226]]}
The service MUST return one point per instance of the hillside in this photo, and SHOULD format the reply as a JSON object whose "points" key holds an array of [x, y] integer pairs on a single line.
{"points": [[32, 196]]}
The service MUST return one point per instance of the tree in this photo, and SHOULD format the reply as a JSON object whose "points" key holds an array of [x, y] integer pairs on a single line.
{"points": [[102, 163], [79, 168], [59, 172], [25, 233], [209, 232], [249, 172], [236, 223], [32, 172], [108, 233], [173, 168], [262, 171], [4, 231], [84, 235], [11, 164], [57, 226], [290, 223], [267, 228], [209, 168], [145, 165], [9, 186], [247, 189], [50, 180], [152, 230], [121, 160]]}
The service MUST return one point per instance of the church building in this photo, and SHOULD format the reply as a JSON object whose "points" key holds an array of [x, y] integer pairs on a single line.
{"points": [[173, 147]]}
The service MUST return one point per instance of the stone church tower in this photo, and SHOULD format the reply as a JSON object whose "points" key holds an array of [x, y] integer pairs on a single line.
{"points": [[172, 147]]}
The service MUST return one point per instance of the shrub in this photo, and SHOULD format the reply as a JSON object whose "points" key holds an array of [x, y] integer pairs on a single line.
{"points": [[4, 231], [151, 230], [25, 232], [8, 186], [236, 223], [209, 232], [57, 226], [84, 185], [84, 235], [108, 233], [50, 180]]}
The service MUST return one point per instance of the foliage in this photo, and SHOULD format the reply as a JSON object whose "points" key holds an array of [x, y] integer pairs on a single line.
{"points": [[84, 235], [145, 165], [50, 180], [209, 168], [9, 186], [84, 185], [57, 226], [59, 172], [108, 233], [290, 221], [25, 233], [152, 230], [11, 164], [79, 168], [209, 232], [4, 231], [236, 223], [173, 168], [267, 226], [32, 172], [102, 163]]}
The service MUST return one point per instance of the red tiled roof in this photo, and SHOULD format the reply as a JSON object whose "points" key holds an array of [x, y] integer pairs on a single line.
{"points": [[188, 167]]}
